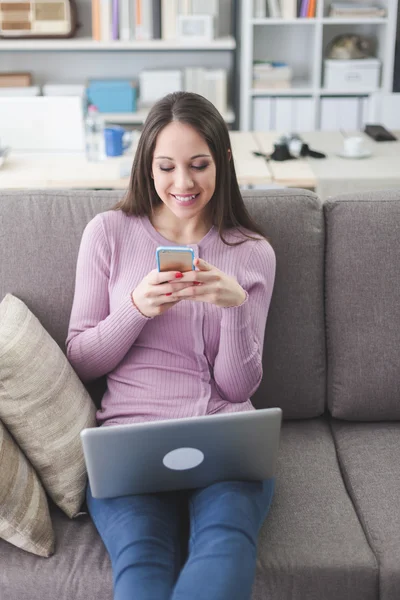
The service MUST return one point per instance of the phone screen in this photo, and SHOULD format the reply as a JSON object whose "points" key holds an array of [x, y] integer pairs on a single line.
{"points": [[175, 260]]}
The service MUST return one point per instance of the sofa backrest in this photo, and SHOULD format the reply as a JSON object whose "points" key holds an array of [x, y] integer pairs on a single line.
{"points": [[40, 232], [363, 305]]}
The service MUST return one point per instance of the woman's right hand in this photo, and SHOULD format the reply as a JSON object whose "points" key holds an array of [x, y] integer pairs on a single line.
{"points": [[151, 295]]}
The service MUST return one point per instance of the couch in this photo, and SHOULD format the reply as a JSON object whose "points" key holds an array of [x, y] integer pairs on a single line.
{"points": [[331, 362]]}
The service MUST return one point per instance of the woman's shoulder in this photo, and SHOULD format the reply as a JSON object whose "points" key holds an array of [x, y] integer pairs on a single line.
{"points": [[251, 243], [112, 222]]}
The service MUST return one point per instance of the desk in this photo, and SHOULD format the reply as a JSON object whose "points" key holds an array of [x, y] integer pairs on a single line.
{"points": [[330, 176], [334, 175], [66, 170]]}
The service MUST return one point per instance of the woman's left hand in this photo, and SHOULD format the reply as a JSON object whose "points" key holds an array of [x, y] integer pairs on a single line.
{"points": [[210, 285]]}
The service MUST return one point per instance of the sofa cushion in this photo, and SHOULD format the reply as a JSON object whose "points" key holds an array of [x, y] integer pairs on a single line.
{"points": [[78, 570], [369, 455], [24, 514], [43, 404], [362, 306], [311, 546], [294, 349]]}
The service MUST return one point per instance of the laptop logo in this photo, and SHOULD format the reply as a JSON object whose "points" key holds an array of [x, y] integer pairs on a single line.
{"points": [[182, 459]]}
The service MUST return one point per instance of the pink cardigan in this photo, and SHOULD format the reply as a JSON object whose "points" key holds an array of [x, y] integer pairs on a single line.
{"points": [[197, 358]]}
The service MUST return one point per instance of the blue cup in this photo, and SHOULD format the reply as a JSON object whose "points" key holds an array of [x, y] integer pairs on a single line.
{"points": [[114, 140]]}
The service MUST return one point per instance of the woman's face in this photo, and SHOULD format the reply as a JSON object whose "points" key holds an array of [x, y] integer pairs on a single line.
{"points": [[183, 170]]}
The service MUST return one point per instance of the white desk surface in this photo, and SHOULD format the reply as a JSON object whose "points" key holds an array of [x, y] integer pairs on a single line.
{"points": [[330, 175], [68, 170], [383, 165], [250, 169], [61, 170]]}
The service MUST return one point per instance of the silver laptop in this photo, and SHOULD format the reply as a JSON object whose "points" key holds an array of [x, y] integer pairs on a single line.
{"points": [[181, 453]]}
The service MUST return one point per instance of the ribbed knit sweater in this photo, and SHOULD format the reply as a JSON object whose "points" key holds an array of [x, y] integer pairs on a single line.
{"points": [[196, 358]]}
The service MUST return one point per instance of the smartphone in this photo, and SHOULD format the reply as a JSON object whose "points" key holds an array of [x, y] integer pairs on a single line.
{"points": [[175, 258]]}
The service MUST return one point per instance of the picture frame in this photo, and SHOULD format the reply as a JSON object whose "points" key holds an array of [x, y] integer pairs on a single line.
{"points": [[195, 28]]}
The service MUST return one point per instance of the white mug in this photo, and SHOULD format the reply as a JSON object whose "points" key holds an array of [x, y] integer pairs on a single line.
{"points": [[353, 146]]}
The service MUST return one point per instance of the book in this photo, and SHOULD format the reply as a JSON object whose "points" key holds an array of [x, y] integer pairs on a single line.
{"points": [[185, 7], [144, 20], [157, 19], [311, 9], [262, 114], [115, 20], [260, 9], [125, 32], [289, 9], [96, 29], [347, 9], [105, 20], [274, 9], [169, 13], [304, 8], [15, 79]]}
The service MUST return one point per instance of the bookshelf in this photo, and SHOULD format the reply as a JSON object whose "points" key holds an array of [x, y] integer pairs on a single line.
{"points": [[301, 43], [138, 117], [87, 43], [78, 59]]}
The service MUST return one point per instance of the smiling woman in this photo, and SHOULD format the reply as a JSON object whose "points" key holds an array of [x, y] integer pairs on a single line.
{"points": [[176, 345]]}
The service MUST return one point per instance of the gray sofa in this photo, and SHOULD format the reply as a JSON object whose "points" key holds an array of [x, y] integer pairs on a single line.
{"points": [[331, 362]]}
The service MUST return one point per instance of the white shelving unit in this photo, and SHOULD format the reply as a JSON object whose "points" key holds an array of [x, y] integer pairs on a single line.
{"points": [[81, 58], [301, 43], [139, 117], [87, 43]]}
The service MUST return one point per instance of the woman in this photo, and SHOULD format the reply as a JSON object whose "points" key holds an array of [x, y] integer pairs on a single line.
{"points": [[176, 345]]}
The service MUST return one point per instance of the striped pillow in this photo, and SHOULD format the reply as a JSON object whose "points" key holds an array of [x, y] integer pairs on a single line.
{"points": [[24, 513], [43, 404]]}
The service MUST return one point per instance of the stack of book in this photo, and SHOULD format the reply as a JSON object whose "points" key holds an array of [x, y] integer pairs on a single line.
{"points": [[17, 84], [348, 10], [271, 75], [145, 19], [285, 9]]}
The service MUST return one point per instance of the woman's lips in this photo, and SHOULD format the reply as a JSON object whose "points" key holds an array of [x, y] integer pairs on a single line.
{"points": [[185, 199]]}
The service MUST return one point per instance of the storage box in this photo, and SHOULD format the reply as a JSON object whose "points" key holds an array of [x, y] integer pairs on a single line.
{"points": [[154, 84], [64, 89], [112, 95], [352, 75], [32, 90]]}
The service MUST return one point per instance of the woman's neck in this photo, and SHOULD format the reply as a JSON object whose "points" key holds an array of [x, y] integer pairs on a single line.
{"points": [[177, 230]]}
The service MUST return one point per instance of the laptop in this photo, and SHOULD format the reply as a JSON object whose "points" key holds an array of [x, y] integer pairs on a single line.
{"points": [[184, 453]]}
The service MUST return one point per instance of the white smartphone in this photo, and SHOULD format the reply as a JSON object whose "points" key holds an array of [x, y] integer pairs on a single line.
{"points": [[175, 258]]}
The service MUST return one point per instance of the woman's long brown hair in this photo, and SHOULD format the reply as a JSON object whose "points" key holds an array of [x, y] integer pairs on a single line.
{"points": [[227, 209]]}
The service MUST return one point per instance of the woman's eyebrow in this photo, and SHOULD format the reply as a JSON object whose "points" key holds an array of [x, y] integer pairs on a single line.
{"points": [[191, 158]]}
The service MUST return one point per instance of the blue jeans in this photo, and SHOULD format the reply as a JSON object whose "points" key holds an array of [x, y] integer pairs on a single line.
{"points": [[142, 536]]}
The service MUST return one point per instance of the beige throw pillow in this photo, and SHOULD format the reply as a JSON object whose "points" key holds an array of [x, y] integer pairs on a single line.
{"points": [[43, 404], [24, 514]]}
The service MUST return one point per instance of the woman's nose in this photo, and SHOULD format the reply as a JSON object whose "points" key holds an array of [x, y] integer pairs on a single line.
{"points": [[183, 180]]}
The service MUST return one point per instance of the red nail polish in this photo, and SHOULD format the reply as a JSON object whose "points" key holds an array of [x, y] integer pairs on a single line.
{"points": [[170, 294], [178, 275]]}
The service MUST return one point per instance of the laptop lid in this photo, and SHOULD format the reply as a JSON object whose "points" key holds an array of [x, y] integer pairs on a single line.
{"points": [[181, 453]]}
